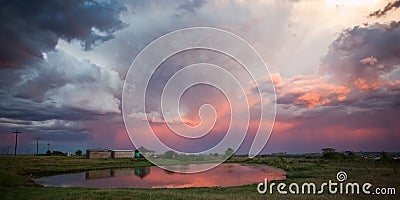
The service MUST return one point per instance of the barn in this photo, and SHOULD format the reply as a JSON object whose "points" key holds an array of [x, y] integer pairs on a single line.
{"points": [[95, 153], [138, 153], [143, 151], [123, 153]]}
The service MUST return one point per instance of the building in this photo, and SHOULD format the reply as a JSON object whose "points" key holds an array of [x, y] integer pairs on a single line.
{"points": [[95, 153], [123, 153], [138, 153], [143, 151]]}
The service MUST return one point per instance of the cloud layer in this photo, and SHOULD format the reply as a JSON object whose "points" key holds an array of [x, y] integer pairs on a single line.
{"points": [[62, 65]]}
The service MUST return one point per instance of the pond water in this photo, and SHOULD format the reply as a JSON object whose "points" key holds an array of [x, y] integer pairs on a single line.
{"points": [[155, 177]]}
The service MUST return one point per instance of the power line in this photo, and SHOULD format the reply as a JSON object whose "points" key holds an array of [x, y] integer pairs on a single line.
{"points": [[16, 141]]}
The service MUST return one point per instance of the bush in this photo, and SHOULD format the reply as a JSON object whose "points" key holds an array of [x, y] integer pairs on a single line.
{"points": [[170, 154], [78, 152]]}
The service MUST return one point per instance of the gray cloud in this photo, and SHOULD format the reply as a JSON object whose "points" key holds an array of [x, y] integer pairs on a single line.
{"points": [[190, 6], [64, 81], [56, 98], [30, 28], [344, 60], [46, 126], [24, 109]]}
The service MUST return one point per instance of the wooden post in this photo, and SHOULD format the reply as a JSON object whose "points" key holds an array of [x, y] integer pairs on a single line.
{"points": [[37, 145], [16, 141]]}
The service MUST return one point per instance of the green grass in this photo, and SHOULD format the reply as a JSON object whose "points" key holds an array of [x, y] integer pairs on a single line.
{"points": [[39, 166], [17, 173]]}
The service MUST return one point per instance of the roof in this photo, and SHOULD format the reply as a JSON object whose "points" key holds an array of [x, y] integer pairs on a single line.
{"points": [[123, 150], [144, 150], [98, 150]]}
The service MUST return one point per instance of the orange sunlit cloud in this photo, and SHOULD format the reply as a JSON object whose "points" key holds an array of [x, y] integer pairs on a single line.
{"points": [[364, 86], [312, 100], [312, 91]]}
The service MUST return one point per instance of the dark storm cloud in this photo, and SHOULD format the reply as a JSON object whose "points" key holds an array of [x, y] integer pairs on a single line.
{"points": [[390, 6], [23, 109], [57, 94], [64, 82], [48, 126], [30, 28]]}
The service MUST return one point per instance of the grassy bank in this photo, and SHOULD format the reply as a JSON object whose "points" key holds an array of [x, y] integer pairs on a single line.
{"points": [[17, 173]]}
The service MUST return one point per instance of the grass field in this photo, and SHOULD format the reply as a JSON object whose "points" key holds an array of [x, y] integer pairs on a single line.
{"points": [[17, 174]]}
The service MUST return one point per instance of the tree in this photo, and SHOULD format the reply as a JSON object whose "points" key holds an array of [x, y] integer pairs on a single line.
{"points": [[170, 154], [58, 153], [328, 153], [384, 156], [48, 152], [328, 150], [78, 152], [229, 152]]}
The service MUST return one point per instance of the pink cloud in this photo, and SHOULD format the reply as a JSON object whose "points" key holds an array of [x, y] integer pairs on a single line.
{"points": [[308, 90], [369, 61]]}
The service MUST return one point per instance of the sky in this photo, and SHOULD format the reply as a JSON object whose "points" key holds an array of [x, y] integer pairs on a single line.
{"points": [[335, 65]]}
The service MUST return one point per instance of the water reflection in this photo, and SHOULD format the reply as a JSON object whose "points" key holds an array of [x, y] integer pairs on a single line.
{"points": [[155, 177], [141, 172]]}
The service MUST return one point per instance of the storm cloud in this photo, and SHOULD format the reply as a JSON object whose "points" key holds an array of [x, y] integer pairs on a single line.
{"points": [[364, 52], [366, 59], [29, 29]]}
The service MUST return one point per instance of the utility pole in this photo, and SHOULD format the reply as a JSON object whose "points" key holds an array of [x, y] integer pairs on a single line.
{"points": [[37, 145], [16, 141], [48, 146]]}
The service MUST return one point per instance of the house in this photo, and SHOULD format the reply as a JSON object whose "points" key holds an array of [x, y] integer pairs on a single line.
{"points": [[143, 151], [98, 153], [123, 153]]}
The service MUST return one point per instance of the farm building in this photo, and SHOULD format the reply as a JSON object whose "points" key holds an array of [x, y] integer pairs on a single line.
{"points": [[138, 153], [143, 151], [93, 153], [122, 153]]}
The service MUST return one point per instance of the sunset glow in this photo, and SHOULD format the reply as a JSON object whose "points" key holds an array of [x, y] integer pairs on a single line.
{"points": [[332, 75]]}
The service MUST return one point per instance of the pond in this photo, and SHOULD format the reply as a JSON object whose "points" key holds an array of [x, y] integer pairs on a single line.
{"points": [[154, 177]]}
